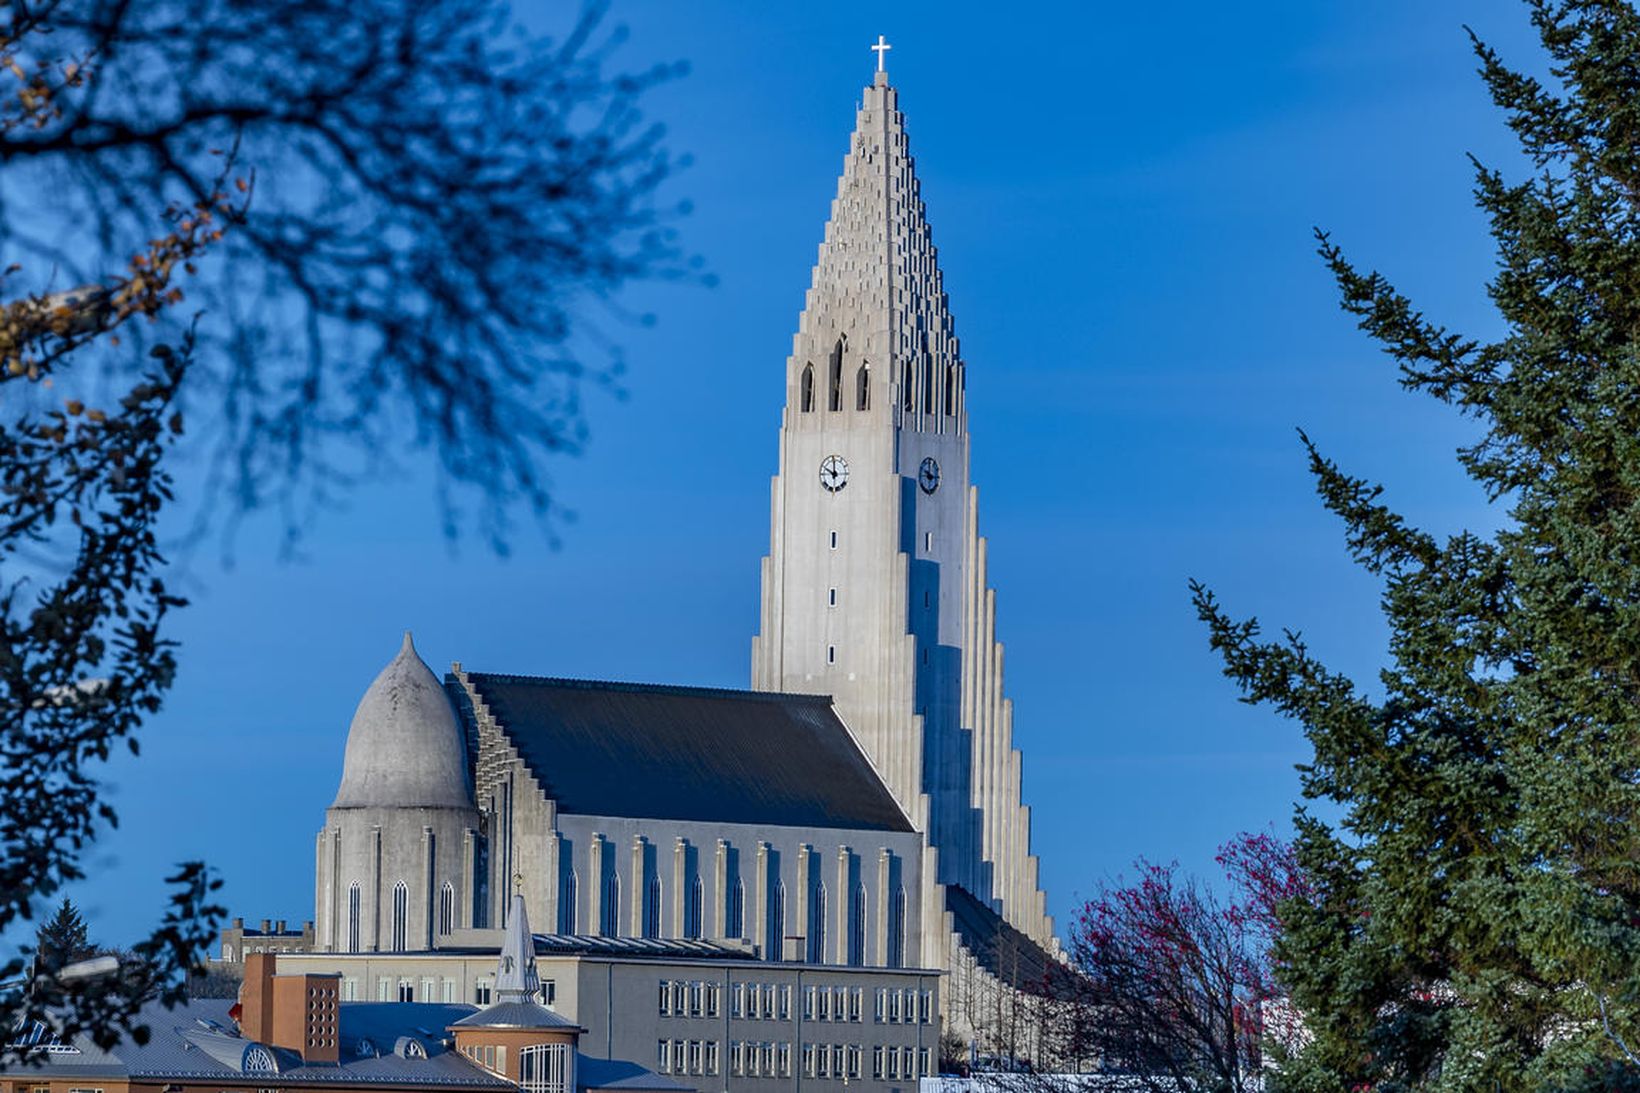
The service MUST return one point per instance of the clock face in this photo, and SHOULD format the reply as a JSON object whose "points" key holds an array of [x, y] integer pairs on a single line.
{"points": [[928, 475], [833, 473]]}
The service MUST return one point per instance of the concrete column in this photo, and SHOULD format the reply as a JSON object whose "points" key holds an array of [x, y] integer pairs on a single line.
{"points": [[761, 900], [429, 847], [885, 896], [720, 902], [469, 878], [680, 878], [845, 907], [804, 883], [595, 882], [640, 890], [551, 885]]}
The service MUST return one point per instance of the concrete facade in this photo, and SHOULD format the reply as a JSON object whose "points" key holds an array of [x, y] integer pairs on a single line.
{"points": [[875, 589], [735, 1023]]}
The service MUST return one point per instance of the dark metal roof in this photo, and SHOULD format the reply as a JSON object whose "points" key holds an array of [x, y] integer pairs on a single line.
{"points": [[668, 948], [529, 1015], [687, 753], [1003, 950]]}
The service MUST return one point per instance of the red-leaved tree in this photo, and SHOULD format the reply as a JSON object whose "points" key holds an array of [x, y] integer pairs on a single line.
{"points": [[1180, 978]]}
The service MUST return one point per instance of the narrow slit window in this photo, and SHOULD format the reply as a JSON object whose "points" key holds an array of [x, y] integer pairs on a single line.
{"points": [[834, 539], [834, 388], [806, 396], [907, 390], [831, 598], [831, 654], [862, 388], [928, 540]]}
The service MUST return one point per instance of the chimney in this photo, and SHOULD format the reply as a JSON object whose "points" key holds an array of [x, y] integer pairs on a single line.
{"points": [[305, 1016], [256, 997], [238, 924], [266, 924], [279, 926]]}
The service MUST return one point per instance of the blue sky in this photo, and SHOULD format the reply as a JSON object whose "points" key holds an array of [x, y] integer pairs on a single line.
{"points": [[1123, 197]]}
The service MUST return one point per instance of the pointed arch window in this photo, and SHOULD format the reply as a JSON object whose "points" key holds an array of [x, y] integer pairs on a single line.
{"points": [[817, 925], [652, 909], [857, 927], [401, 916], [777, 920], [928, 383], [834, 385], [354, 940], [862, 388], [566, 905], [908, 391], [950, 389], [736, 926], [447, 908], [896, 930], [692, 913], [611, 925], [806, 389]]}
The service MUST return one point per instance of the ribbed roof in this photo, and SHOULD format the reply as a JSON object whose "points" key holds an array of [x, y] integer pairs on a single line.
{"points": [[687, 753], [404, 748]]}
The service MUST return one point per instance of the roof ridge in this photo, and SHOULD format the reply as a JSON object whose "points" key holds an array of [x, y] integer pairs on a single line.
{"points": [[646, 688]]}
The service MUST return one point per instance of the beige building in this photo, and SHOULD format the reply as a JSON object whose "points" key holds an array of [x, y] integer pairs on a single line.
{"points": [[856, 813]]}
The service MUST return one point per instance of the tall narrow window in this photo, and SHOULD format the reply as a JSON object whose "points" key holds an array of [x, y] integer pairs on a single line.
{"points": [[950, 389], [806, 393], [908, 391], [446, 908], [353, 933], [652, 909], [896, 930], [831, 654], [862, 388], [777, 919], [927, 383], [566, 905], [831, 598], [692, 914], [401, 916], [834, 540], [817, 925], [611, 925], [834, 386], [736, 926], [857, 927]]}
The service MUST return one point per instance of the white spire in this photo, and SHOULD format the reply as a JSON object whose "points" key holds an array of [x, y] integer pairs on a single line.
{"points": [[516, 979]]}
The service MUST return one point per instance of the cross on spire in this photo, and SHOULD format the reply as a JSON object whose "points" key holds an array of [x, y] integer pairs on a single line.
{"points": [[881, 48]]}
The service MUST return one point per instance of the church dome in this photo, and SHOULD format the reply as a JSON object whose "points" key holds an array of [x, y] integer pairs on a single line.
{"points": [[404, 748]]}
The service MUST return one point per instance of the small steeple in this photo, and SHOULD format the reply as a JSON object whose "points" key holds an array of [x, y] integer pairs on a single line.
{"points": [[516, 979]]}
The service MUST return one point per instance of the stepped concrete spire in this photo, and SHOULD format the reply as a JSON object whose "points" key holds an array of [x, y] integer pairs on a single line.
{"points": [[516, 979], [404, 748]]}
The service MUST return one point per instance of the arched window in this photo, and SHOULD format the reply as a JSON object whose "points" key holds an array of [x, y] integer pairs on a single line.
{"points": [[611, 925], [545, 1068], [896, 931], [817, 925], [447, 908], [401, 916], [566, 905], [862, 388], [908, 391], [736, 926], [927, 383], [652, 909], [692, 913], [834, 387], [807, 388], [777, 919], [857, 927], [950, 389], [354, 939]]}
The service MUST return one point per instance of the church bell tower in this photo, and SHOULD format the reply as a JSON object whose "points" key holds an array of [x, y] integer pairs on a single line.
{"points": [[874, 590]]}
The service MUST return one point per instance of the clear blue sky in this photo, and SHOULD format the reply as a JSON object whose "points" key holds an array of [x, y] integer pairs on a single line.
{"points": [[1122, 196]]}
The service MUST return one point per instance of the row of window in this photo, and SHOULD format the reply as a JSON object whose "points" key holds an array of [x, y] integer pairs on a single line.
{"points": [[390, 988], [941, 400], [398, 929], [760, 1059], [833, 1003], [907, 1006], [682, 998], [687, 1057], [894, 1064], [762, 1001]]}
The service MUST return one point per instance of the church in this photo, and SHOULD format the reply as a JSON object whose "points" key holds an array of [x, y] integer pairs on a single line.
{"points": [[860, 804]]}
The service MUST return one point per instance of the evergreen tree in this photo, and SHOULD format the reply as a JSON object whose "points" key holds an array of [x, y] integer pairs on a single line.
{"points": [[61, 940], [1474, 919]]}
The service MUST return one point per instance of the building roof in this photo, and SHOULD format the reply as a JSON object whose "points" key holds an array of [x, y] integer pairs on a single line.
{"points": [[404, 748], [1003, 950], [514, 1014], [197, 1041], [666, 948], [686, 753]]}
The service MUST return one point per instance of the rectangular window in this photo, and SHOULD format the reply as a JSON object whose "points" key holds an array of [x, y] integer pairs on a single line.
{"points": [[714, 999], [697, 999], [808, 1060], [427, 987], [384, 989], [785, 1057], [877, 1062], [785, 1002], [711, 1056], [834, 540], [880, 1009], [737, 1058], [831, 654], [928, 541], [808, 1004], [447, 990], [925, 1064], [856, 1001], [822, 1055], [925, 1008], [663, 1056], [666, 999], [831, 598], [350, 990], [549, 991], [501, 1059], [825, 1005], [767, 1051], [697, 1054], [489, 1056], [854, 1053], [481, 992], [894, 1007], [737, 1001], [893, 1064]]}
